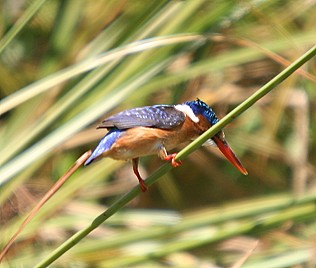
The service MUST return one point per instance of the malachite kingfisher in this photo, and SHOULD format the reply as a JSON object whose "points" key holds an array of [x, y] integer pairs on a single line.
{"points": [[156, 130]]}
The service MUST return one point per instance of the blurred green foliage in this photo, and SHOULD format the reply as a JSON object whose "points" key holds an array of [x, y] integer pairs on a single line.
{"points": [[203, 213]]}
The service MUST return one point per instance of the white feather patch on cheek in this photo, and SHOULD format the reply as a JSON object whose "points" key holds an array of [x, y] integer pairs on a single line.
{"points": [[188, 111]]}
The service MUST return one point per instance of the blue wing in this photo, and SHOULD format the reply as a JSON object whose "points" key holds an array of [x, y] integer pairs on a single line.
{"points": [[104, 145], [159, 116]]}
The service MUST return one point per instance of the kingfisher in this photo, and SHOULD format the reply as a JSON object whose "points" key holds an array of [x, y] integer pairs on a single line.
{"points": [[158, 129]]}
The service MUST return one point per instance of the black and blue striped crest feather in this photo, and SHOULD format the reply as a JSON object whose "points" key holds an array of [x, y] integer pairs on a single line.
{"points": [[200, 107]]}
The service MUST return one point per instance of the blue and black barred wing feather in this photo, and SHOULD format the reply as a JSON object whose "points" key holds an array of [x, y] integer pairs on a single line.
{"points": [[104, 145], [158, 116]]}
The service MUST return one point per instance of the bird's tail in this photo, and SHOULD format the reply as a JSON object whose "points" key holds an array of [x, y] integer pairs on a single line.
{"points": [[104, 145]]}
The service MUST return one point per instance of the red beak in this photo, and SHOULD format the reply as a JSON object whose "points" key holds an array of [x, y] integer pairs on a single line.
{"points": [[229, 154]]}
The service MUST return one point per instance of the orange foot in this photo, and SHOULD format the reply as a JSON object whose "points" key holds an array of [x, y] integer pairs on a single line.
{"points": [[171, 157]]}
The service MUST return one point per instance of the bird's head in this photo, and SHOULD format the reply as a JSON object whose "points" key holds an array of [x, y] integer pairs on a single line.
{"points": [[199, 107]]}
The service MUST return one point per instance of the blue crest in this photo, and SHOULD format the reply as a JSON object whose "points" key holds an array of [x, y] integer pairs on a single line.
{"points": [[200, 107]]}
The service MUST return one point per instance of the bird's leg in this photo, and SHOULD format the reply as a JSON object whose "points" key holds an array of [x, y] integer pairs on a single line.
{"points": [[169, 157], [142, 184]]}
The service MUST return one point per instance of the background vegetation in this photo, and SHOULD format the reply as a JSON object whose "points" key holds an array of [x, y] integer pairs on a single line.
{"points": [[203, 214]]}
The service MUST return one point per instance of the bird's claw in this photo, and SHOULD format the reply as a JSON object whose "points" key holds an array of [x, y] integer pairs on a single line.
{"points": [[142, 185], [171, 157]]}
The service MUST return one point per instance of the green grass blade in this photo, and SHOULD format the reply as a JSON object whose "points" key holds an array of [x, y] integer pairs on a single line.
{"points": [[22, 21], [45, 84]]}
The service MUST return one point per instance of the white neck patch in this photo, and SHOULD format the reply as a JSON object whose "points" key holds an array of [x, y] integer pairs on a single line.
{"points": [[186, 109]]}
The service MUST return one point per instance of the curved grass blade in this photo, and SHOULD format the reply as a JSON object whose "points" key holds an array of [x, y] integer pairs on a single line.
{"points": [[45, 198]]}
